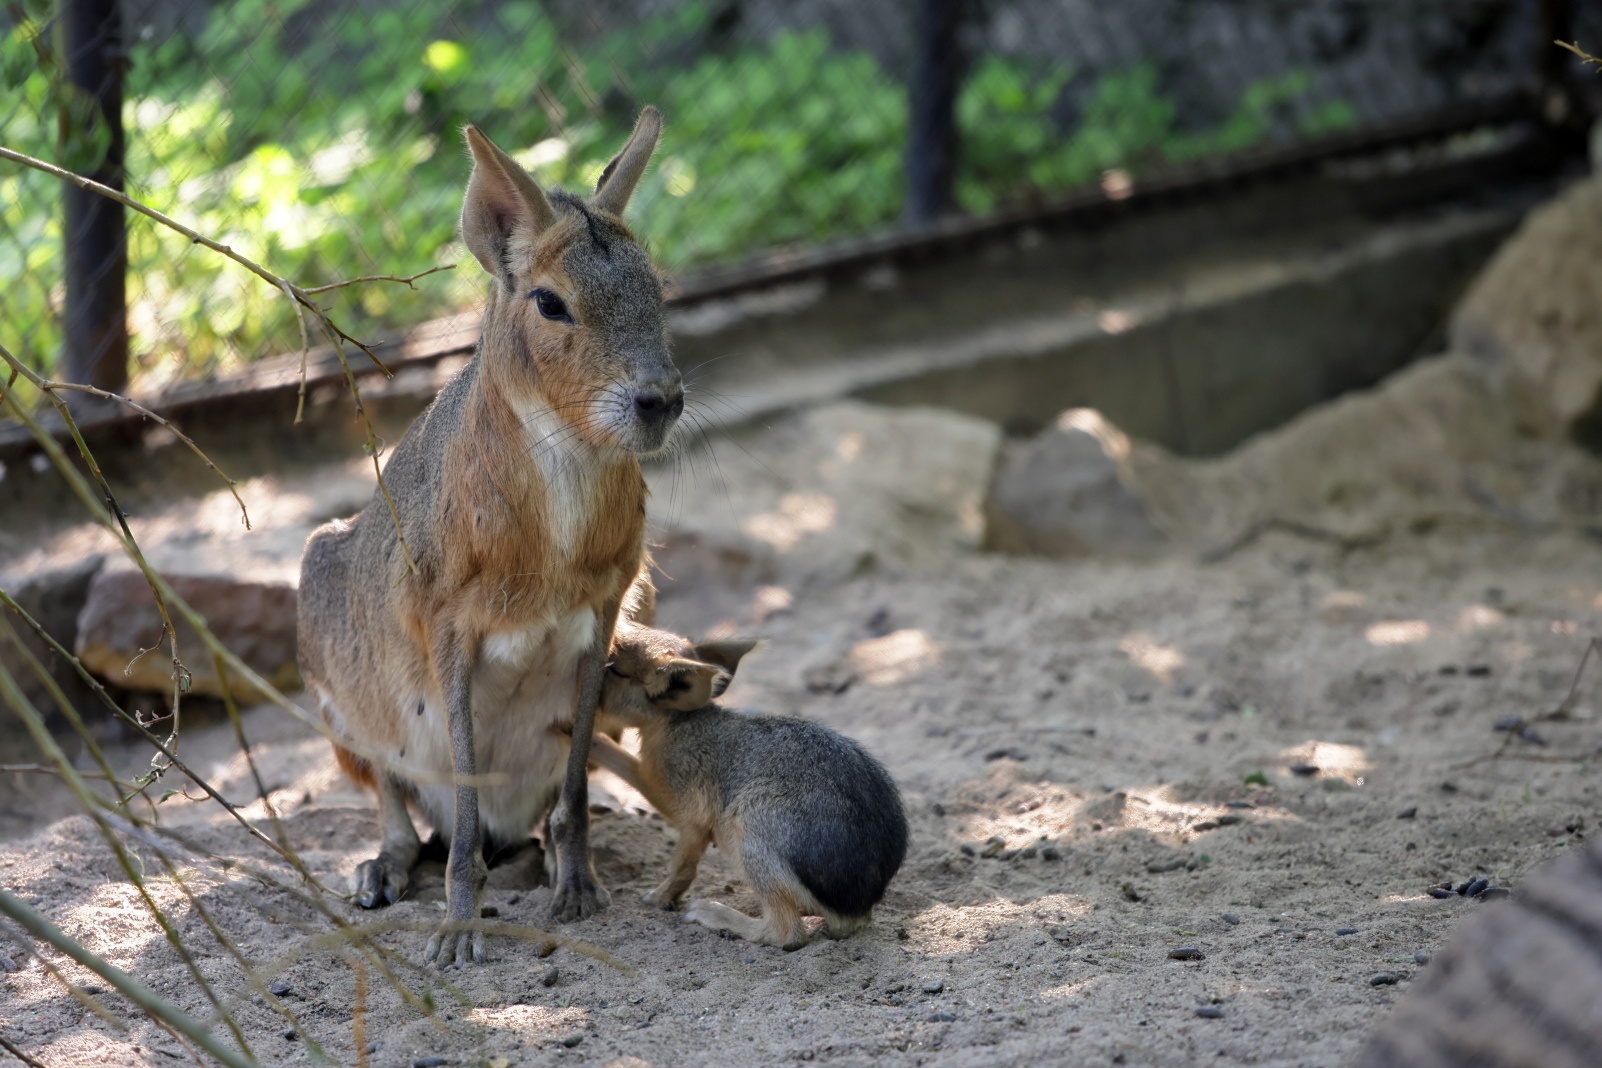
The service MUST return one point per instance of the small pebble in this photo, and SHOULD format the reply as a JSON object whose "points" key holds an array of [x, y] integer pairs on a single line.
{"points": [[1186, 953], [1239, 804], [572, 1040], [1157, 867], [967, 850], [1421, 958], [7, 964], [941, 1017], [934, 986], [1205, 825], [1230, 821], [1028, 852], [1306, 771], [290, 1036], [1384, 979], [1478, 671], [993, 845], [1410, 812], [550, 976], [1440, 893], [750, 960], [1474, 887], [1008, 854], [280, 988], [1345, 930], [1230, 918], [514, 899], [429, 1062], [1050, 853], [938, 809], [1495, 893], [1210, 1012]]}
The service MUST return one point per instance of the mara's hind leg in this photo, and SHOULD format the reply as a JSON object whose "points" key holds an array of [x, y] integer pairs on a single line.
{"points": [[382, 880]]}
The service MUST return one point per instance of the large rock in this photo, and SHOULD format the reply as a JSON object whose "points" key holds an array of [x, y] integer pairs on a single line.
{"points": [[255, 620], [53, 598], [1431, 444], [836, 489], [1064, 492], [1536, 315]]}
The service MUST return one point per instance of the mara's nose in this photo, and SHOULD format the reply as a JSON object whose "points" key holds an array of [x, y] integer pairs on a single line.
{"points": [[656, 404]]}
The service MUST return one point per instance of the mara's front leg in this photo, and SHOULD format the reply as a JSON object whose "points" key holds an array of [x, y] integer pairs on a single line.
{"points": [[577, 893], [459, 938]]}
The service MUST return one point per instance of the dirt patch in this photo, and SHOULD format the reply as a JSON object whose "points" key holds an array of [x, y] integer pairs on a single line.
{"points": [[1101, 720]]}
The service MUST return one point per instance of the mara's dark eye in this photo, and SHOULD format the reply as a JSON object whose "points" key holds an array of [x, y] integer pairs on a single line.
{"points": [[551, 306], [612, 669]]}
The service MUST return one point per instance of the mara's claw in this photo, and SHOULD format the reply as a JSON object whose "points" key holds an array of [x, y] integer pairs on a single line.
{"points": [[452, 947], [378, 882]]}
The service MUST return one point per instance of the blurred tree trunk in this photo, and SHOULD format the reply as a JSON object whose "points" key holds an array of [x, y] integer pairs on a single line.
{"points": [[94, 230], [932, 111]]}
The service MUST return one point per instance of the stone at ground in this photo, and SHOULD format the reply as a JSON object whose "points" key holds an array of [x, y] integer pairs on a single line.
{"points": [[1063, 493], [255, 620], [1535, 316], [53, 598], [1431, 445]]}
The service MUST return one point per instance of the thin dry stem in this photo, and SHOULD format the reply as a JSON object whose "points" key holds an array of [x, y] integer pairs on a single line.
{"points": [[233, 487], [1582, 53], [407, 281], [154, 1006]]}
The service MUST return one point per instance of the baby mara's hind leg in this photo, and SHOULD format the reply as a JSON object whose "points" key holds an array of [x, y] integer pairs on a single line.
{"points": [[779, 925], [774, 883], [686, 860], [837, 926], [382, 880]]}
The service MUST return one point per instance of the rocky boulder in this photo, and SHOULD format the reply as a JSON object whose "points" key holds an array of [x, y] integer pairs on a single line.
{"points": [[119, 630], [1065, 492], [1535, 316], [54, 599]]}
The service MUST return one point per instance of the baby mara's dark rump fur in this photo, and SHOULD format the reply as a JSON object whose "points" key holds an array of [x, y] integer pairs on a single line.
{"points": [[828, 810], [814, 821]]}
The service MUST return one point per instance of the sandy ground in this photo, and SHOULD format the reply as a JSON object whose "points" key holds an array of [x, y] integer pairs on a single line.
{"points": [[1095, 718]]}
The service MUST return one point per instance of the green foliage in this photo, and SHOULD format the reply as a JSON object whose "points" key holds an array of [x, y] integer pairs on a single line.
{"points": [[331, 151], [1012, 149]]}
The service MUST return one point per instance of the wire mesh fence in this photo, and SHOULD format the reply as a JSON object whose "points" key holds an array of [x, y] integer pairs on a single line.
{"points": [[322, 136]]}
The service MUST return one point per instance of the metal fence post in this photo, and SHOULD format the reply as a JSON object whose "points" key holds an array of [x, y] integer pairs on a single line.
{"points": [[95, 231], [931, 112]]}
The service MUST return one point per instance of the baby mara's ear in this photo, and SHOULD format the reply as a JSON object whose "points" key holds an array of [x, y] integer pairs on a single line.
{"points": [[727, 655], [686, 685]]}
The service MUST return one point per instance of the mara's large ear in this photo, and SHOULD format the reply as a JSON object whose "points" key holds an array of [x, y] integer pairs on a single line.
{"points": [[726, 654], [503, 206], [617, 182]]}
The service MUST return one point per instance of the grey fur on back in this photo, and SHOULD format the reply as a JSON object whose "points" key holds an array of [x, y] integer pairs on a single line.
{"points": [[813, 796]]}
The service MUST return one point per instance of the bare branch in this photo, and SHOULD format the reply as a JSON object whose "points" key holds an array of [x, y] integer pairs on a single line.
{"points": [[408, 281], [233, 487], [1582, 53]]}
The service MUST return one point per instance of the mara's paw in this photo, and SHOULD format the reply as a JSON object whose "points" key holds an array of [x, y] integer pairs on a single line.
{"points": [[577, 896], [378, 882], [455, 945]]}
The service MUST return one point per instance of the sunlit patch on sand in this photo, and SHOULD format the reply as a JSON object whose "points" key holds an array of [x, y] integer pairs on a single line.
{"points": [[895, 657], [1071, 991], [1333, 760], [797, 515], [1476, 617], [1397, 632], [942, 929], [1342, 606], [524, 1019], [1160, 661]]}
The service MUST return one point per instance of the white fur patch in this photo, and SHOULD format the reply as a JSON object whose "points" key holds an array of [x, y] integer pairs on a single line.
{"points": [[570, 467]]}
